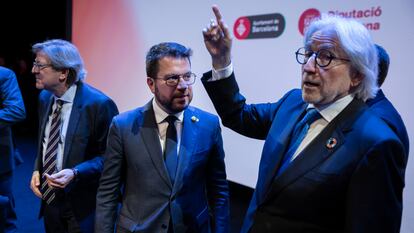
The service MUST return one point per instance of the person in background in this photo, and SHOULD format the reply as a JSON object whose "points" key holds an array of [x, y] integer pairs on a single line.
{"points": [[74, 121], [11, 111], [328, 163], [165, 160], [382, 107]]}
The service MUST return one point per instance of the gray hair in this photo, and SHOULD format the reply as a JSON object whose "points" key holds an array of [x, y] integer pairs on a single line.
{"points": [[357, 44], [63, 55]]}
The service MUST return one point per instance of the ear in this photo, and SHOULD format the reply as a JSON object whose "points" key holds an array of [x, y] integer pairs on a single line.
{"points": [[356, 79], [151, 84], [64, 75]]}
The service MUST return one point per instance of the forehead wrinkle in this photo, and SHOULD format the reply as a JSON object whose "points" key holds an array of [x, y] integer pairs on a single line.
{"points": [[324, 40]]}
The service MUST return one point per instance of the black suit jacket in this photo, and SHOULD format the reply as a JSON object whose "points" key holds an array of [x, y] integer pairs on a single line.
{"points": [[198, 200], [85, 143], [350, 178], [11, 111]]}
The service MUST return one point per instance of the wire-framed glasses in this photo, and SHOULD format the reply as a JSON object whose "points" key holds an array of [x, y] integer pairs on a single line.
{"points": [[40, 66], [173, 80]]}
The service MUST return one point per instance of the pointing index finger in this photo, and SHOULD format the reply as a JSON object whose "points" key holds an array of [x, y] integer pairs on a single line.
{"points": [[217, 13], [220, 22]]}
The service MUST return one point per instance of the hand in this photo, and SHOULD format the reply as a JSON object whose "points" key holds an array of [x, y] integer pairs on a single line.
{"points": [[218, 41], [35, 184], [60, 179]]}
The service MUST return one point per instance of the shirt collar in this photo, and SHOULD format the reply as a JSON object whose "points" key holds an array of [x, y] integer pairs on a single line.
{"points": [[329, 112], [160, 114], [69, 95]]}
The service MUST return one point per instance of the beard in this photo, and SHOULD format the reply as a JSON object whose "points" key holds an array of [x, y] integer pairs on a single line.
{"points": [[173, 104]]}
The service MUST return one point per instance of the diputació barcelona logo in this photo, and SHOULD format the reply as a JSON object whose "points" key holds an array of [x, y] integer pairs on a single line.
{"points": [[259, 26], [306, 19]]}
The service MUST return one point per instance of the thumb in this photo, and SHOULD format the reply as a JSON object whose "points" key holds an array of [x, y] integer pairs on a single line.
{"points": [[59, 174], [37, 180]]}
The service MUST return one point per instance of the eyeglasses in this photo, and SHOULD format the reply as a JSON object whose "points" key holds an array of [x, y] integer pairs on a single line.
{"points": [[323, 57], [173, 80], [40, 66]]}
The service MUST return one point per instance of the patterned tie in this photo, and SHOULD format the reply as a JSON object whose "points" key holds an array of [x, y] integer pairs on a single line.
{"points": [[299, 133], [49, 164], [170, 153]]}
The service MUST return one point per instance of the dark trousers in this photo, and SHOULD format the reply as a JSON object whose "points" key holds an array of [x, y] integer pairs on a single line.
{"points": [[8, 218], [59, 218]]}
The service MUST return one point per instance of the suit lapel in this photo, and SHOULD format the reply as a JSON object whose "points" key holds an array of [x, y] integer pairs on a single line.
{"points": [[46, 112], [280, 134], [73, 121], [188, 143], [149, 135], [318, 151]]}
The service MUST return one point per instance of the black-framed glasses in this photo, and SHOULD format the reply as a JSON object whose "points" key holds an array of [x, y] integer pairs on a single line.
{"points": [[173, 80], [323, 57], [40, 66]]}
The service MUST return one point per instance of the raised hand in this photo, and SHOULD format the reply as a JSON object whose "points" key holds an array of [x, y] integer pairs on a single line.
{"points": [[218, 41]]}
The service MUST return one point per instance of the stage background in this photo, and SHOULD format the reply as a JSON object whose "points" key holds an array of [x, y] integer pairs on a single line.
{"points": [[114, 36]]}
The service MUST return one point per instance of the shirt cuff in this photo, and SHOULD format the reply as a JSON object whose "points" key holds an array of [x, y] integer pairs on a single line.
{"points": [[221, 73]]}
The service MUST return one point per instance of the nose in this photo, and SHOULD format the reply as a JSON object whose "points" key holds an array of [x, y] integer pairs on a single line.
{"points": [[310, 65], [34, 70], [182, 84]]}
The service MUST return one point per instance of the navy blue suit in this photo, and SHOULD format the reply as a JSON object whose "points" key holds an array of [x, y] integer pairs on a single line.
{"points": [[383, 108], [85, 144], [11, 111], [354, 186], [197, 202]]}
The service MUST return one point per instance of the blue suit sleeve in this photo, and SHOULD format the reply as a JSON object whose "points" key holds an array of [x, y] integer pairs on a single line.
{"points": [[251, 120], [107, 110], [11, 101]]}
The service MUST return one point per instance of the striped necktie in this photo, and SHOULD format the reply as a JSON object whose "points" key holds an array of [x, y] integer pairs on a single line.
{"points": [[49, 164]]}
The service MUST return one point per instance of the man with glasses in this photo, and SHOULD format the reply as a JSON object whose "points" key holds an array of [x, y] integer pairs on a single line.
{"points": [[74, 121], [165, 160], [328, 163]]}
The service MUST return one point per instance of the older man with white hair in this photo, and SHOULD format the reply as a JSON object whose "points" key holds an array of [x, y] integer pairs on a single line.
{"points": [[328, 163]]}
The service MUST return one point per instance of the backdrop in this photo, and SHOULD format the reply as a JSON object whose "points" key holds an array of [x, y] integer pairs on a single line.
{"points": [[114, 36]]}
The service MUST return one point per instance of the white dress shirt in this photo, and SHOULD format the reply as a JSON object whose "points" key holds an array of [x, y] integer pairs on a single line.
{"points": [[160, 116], [328, 113], [67, 99]]}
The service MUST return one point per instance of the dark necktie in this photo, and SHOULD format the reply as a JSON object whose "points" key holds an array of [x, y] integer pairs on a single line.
{"points": [[299, 133], [170, 153], [49, 164]]}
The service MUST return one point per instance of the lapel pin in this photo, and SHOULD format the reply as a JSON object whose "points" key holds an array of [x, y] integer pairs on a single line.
{"points": [[194, 119], [331, 143]]}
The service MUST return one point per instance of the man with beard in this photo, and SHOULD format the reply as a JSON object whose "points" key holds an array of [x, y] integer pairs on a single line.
{"points": [[165, 160]]}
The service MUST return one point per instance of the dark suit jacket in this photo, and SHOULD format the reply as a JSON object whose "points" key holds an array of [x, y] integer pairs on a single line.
{"points": [[11, 111], [383, 108], [85, 143], [354, 186], [198, 200]]}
